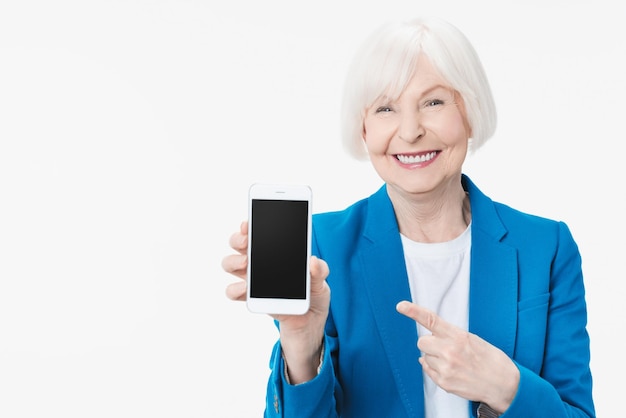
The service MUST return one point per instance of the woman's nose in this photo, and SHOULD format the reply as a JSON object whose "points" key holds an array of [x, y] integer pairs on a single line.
{"points": [[411, 128]]}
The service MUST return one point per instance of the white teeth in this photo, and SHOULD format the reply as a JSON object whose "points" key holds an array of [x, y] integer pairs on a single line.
{"points": [[412, 159]]}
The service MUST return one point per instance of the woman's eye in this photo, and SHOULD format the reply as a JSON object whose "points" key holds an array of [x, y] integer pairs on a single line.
{"points": [[433, 105], [383, 109], [434, 102]]}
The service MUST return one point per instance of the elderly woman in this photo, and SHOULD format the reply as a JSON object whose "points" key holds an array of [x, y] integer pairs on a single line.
{"points": [[428, 298]]}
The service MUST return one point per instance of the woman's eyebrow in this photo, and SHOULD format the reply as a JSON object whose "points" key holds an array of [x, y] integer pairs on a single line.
{"points": [[430, 90]]}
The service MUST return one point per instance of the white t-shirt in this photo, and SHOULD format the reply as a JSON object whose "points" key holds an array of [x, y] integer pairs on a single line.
{"points": [[439, 280]]}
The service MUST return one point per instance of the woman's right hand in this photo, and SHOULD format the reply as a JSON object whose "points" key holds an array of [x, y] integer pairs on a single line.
{"points": [[301, 336]]}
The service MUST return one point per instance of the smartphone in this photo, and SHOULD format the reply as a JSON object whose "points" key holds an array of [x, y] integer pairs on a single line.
{"points": [[279, 248]]}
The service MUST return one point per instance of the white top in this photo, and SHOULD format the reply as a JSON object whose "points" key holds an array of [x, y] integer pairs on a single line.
{"points": [[439, 280]]}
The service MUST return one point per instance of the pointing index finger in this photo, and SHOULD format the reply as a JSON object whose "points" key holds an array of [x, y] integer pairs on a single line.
{"points": [[425, 317]]}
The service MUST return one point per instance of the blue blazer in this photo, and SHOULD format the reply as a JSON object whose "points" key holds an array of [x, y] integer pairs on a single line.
{"points": [[526, 297]]}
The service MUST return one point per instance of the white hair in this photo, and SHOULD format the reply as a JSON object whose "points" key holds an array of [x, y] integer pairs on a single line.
{"points": [[386, 62]]}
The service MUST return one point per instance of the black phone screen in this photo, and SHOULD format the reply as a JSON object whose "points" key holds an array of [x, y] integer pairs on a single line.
{"points": [[279, 251]]}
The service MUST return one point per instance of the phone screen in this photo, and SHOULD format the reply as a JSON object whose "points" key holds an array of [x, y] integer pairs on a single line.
{"points": [[278, 257]]}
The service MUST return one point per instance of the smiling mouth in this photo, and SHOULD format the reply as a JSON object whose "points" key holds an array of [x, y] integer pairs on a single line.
{"points": [[417, 158]]}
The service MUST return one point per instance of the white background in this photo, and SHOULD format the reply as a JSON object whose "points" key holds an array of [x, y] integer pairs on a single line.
{"points": [[131, 130]]}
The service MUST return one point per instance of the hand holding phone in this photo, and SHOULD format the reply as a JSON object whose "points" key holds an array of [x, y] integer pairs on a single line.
{"points": [[279, 249]]}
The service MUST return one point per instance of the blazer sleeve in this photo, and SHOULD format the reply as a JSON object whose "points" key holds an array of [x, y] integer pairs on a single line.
{"points": [[314, 398], [563, 388]]}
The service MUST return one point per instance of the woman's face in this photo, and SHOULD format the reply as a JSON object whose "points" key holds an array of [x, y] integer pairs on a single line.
{"points": [[418, 143]]}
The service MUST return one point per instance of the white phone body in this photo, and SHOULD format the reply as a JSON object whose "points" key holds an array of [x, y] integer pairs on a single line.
{"points": [[279, 248]]}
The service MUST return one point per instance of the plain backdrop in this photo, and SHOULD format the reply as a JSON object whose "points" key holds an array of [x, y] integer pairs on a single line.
{"points": [[131, 130]]}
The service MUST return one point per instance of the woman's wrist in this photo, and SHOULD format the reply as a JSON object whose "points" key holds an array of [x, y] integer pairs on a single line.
{"points": [[507, 389], [306, 376]]}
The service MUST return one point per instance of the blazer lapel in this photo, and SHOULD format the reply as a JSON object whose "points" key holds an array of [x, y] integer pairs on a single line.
{"points": [[493, 275], [493, 292], [385, 278]]}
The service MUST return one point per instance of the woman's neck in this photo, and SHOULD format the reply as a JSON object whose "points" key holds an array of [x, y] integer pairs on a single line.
{"points": [[432, 217]]}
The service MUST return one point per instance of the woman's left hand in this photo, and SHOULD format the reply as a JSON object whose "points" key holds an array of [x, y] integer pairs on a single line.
{"points": [[463, 363]]}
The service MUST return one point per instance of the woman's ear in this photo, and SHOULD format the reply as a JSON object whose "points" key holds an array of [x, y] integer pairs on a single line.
{"points": [[468, 126]]}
